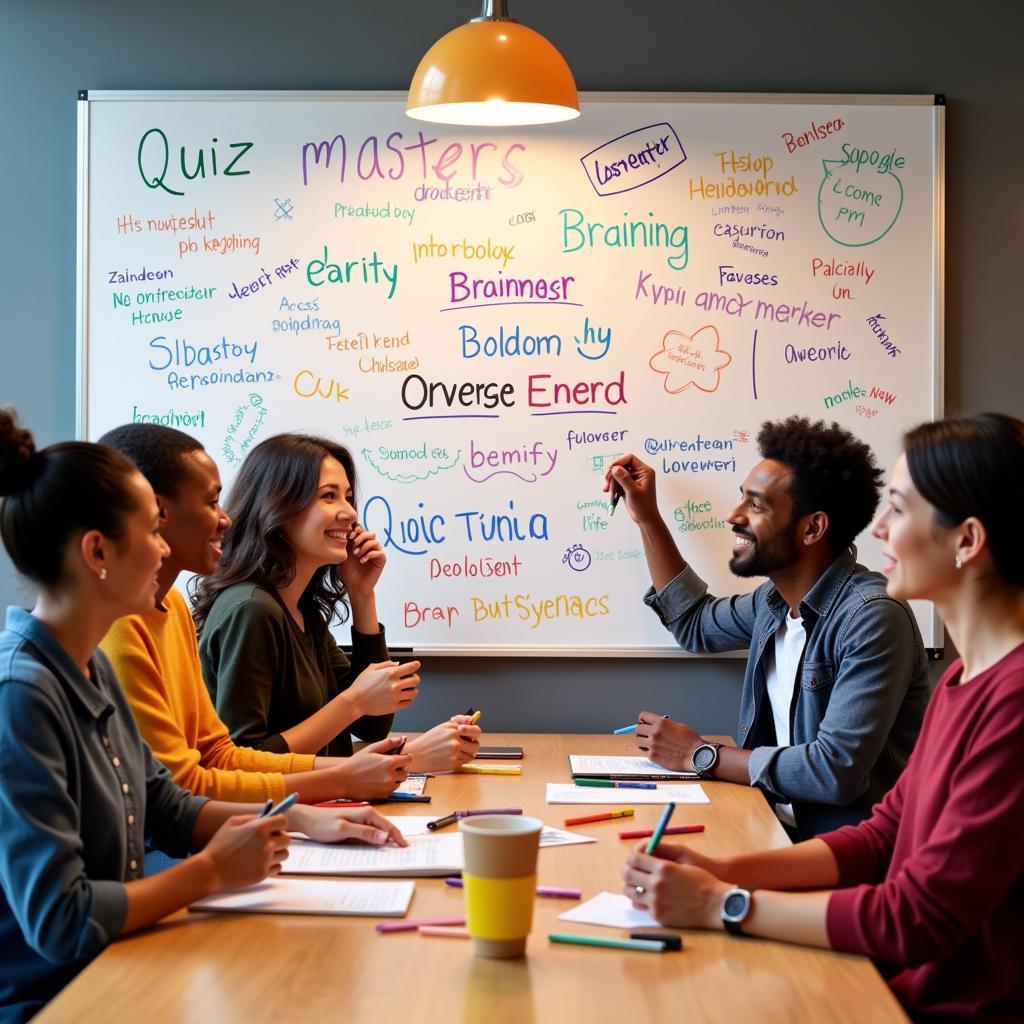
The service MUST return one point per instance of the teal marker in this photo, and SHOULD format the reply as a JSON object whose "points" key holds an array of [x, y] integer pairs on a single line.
{"points": [[660, 830], [641, 945]]}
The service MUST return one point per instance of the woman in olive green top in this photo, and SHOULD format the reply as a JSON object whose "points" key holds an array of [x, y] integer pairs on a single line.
{"points": [[294, 557]]}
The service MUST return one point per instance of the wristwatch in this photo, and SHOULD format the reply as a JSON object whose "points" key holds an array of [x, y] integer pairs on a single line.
{"points": [[704, 758], [735, 909]]}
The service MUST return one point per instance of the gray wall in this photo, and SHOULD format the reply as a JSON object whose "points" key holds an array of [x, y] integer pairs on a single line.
{"points": [[51, 48]]}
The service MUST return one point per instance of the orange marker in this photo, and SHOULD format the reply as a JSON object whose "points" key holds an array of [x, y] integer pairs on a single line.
{"points": [[625, 812]]}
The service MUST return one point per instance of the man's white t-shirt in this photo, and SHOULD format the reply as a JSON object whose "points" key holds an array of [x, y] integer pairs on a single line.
{"points": [[781, 680]]}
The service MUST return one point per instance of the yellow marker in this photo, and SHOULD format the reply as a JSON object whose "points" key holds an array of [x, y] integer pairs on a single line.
{"points": [[478, 769], [475, 718]]}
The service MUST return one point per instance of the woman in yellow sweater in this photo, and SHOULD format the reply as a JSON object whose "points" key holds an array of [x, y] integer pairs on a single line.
{"points": [[157, 660]]}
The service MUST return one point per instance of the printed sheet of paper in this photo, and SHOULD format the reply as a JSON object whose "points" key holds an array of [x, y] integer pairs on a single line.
{"points": [[414, 785], [551, 836], [438, 853], [305, 896], [598, 767], [611, 910], [416, 825], [688, 793]]}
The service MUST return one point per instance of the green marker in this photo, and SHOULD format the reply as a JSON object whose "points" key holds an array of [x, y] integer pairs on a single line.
{"points": [[641, 945], [603, 783]]}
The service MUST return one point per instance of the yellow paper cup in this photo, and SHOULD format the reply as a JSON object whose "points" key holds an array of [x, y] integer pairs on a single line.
{"points": [[500, 881]]}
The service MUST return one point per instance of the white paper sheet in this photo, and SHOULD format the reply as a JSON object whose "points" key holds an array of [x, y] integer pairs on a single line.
{"points": [[611, 910], [688, 793], [305, 896], [434, 854], [596, 767]]}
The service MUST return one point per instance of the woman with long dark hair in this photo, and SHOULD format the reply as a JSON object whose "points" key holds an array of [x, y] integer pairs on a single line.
{"points": [[294, 559], [931, 885], [80, 792]]}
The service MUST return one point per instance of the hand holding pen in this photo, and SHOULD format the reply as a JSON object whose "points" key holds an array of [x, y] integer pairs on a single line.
{"points": [[247, 848], [630, 478]]}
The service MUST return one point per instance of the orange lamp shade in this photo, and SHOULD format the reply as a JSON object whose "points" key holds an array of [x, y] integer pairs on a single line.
{"points": [[493, 72]]}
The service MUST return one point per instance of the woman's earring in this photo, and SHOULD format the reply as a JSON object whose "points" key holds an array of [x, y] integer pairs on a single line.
{"points": [[958, 562], [103, 572]]}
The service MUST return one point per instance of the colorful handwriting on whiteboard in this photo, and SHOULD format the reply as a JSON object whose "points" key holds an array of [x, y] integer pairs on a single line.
{"points": [[154, 161], [634, 159], [694, 360], [860, 196], [402, 454]]}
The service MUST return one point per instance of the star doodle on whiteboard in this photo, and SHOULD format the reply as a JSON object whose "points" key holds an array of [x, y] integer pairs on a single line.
{"points": [[691, 360]]}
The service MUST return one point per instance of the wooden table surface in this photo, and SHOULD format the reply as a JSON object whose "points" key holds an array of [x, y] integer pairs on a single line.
{"points": [[251, 968]]}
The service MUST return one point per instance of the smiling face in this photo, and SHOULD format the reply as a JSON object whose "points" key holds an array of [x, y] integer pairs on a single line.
{"points": [[319, 533], [194, 522], [764, 529], [918, 554], [134, 559]]}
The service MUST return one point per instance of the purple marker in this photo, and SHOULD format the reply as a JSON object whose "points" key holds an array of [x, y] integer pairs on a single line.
{"points": [[542, 890]]}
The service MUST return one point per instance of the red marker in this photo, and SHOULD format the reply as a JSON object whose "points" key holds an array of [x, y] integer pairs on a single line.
{"points": [[675, 830]]}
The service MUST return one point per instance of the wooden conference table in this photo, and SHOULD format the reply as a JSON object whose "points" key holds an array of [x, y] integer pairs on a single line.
{"points": [[250, 968]]}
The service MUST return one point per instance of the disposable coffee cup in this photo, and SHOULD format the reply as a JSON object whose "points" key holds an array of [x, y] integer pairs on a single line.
{"points": [[500, 881]]}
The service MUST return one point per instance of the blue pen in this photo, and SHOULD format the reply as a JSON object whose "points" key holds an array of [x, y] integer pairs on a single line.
{"points": [[408, 798], [636, 785], [652, 845], [269, 810], [624, 730]]}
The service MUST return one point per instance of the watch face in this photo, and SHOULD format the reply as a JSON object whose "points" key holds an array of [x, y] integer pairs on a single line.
{"points": [[703, 757], [735, 905]]}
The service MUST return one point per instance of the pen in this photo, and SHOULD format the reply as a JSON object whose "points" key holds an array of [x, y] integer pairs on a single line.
{"points": [[269, 809], [625, 812], [411, 926], [660, 830], [443, 930], [475, 718], [630, 728], [675, 830], [617, 493], [399, 748], [407, 798], [542, 890], [475, 769], [610, 784], [450, 819], [641, 945], [469, 710]]}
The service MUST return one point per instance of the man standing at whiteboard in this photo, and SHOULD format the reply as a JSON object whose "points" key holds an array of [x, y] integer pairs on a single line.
{"points": [[835, 686]]}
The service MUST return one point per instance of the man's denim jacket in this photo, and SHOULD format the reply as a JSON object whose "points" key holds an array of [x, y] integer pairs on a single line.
{"points": [[861, 689]]}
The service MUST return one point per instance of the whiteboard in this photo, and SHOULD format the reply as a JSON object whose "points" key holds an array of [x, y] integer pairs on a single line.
{"points": [[486, 317]]}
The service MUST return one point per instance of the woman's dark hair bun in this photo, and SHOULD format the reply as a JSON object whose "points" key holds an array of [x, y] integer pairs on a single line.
{"points": [[20, 463]]}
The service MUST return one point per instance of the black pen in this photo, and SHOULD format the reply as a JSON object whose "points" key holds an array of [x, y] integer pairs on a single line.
{"points": [[448, 819]]}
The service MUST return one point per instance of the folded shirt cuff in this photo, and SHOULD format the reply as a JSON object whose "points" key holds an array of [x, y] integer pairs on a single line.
{"points": [[841, 921], [109, 907], [677, 596]]}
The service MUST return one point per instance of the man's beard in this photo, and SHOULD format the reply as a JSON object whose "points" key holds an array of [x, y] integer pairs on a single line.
{"points": [[779, 551]]}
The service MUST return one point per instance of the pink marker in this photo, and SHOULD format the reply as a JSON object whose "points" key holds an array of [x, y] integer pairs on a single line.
{"points": [[411, 926]]}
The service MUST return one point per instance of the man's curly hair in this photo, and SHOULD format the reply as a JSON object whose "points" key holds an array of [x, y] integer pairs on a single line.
{"points": [[833, 473]]}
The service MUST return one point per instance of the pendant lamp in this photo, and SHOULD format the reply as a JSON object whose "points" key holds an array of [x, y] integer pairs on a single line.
{"points": [[493, 71]]}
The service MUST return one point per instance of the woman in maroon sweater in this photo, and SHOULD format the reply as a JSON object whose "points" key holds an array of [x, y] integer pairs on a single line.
{"points": [[931, 886]]}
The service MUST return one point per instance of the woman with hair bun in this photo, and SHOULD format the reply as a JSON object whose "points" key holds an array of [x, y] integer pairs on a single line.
{"points": [[931, 885], [79, 791]]}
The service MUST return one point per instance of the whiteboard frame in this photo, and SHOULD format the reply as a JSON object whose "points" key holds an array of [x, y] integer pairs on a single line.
{"points": [[935, 101]]}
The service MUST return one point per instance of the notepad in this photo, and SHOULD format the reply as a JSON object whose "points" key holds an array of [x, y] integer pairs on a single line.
{"points": [[690, 793], [610, 910], [414, 785], [638, 769], [305, 896], [426, 855]]}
